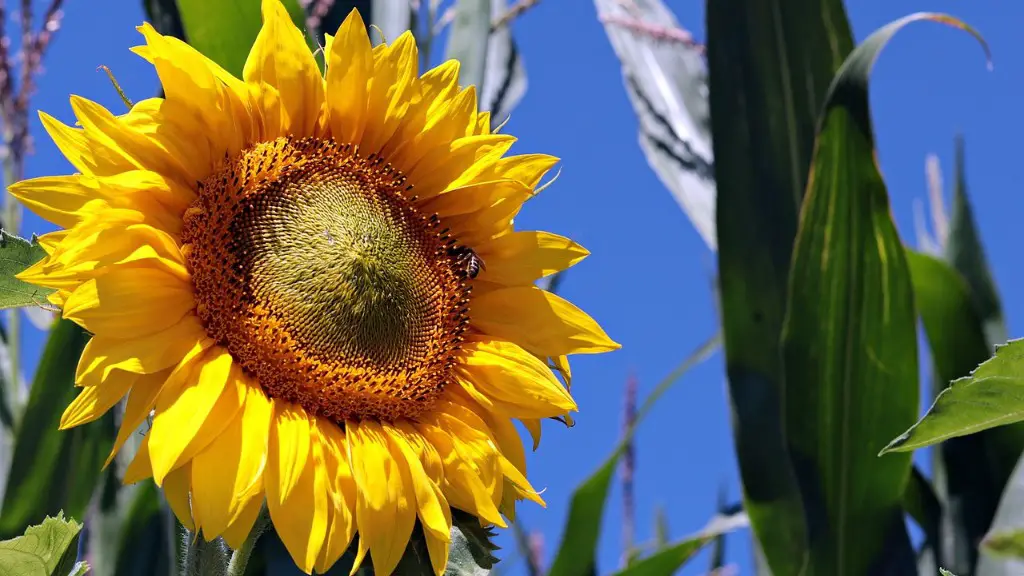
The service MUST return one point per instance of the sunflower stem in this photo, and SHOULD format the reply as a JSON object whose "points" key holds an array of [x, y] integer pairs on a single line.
{"points": [[240, 558]]}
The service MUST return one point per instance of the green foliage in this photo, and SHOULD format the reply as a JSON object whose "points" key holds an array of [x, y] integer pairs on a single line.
{"points": [[225, 30], [48, 549], [761, 168], [669, 558], [16, 255], [989, 397], [53, 470], [577, 552]]}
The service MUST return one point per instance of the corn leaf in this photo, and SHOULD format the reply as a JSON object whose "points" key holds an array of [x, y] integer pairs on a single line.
{"points": [[669, 559], [225, 30], [667, 85], [770, 63], [53, 470]]}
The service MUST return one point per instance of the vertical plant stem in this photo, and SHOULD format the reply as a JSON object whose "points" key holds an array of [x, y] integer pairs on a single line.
{"points": [[240, 558], [11, 222]]}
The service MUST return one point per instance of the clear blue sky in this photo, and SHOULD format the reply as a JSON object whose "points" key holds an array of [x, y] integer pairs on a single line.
{"points": [[649, 278]]}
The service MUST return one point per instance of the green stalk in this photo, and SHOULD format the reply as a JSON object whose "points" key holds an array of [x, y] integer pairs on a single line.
{"points": [[11, 222], [240, 558]]}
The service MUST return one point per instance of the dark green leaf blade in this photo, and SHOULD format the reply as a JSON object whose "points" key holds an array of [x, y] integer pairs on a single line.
{"points": [[47, 549], [991, 396], [850, 342], [225, 30], [770, 63], [669, 559], [53, 470], [17, 254], [576, 553]]}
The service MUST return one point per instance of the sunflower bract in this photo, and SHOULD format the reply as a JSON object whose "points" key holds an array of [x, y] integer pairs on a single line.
{"points": [[278, 269]]}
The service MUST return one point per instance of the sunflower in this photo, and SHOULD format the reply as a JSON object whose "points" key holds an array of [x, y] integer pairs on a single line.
{"points": [[313, 285]]}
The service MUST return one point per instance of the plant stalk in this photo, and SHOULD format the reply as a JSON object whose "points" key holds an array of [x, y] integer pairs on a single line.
{"points": [[240, 558]]}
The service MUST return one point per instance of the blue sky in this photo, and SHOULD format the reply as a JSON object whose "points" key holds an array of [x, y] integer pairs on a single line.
{"points": [[649, 278]]}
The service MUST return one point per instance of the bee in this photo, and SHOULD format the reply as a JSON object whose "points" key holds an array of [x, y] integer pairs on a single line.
{"points": [[474, 263]]}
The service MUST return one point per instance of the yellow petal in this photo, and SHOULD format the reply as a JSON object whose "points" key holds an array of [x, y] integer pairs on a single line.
{"points": [[521, 258], [475, 197], [431, 506], [50, 241], [395, 69], [300, 518], [184, 405], [385, 505], [227, 473], [139, 468], [176, 489], [281, 58], [539, 321], [132, 147], [239, 530], [349, 67], [342, 491], [141, 400], [290, 438], [508, 374], [84, 153], [532, 426], [440, 117], [457, 165], [94, 401], [54, 198], [146, 355], [129, 302], [462, 485], [205, 94], [561, 364], [526, 168]]}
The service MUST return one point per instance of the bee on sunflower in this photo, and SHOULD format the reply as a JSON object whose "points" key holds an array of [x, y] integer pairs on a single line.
{"points": [[274, 268]]}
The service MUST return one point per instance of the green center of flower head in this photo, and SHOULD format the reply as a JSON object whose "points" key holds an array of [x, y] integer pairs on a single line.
{"points": [[323, 280]]}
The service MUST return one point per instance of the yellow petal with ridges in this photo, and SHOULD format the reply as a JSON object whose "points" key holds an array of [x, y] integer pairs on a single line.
{"points": [[139, 468], [349, 67], [129, 303], [385, 503], [281, 58], [239, 530], [94, 401], [521, 258], [476, 197], [176, 487], [54, 198], [290, 438], [456, 164], [462, 486], [146, 355], [431, 506], [85, 154], [342, 491], [300, 518], [395, 69], [505, 372], [539, 321], [183, 406], [226, 473]]}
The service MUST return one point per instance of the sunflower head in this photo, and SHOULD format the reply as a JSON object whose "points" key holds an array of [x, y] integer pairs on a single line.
{"points": [[314, 285]]}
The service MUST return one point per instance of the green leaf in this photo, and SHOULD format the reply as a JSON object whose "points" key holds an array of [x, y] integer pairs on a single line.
{"points": [[576, 553], [1004, 542], [17, 254], [467, 40], [225, 30], [991, 396], [667, 86], [770, 63], [944, 572], [48, 549], [971, 470], [671, 558], [849, 342], [53, 470]]}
